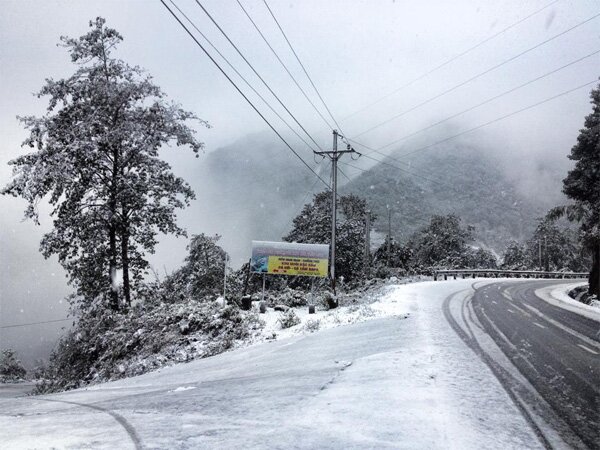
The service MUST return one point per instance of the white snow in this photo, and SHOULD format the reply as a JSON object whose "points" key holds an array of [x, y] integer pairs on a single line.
{"points": [[558, 296], [405, 380]]}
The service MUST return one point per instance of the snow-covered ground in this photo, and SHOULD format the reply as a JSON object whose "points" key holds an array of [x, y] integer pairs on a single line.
{"points": [[403, 379]]}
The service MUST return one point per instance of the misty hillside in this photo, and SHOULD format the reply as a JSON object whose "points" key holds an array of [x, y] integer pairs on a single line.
{"points": [[459, 179], [261, 178]]}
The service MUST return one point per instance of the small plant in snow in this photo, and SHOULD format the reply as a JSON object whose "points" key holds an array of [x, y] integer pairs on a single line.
{"points": [[288, 319], [312, 325]]}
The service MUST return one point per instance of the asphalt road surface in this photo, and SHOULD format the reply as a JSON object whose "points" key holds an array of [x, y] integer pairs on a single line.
{"points": [[558, 351]]}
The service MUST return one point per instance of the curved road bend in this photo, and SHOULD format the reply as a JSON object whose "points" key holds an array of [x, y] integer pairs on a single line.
{"points": [[558, 351]]}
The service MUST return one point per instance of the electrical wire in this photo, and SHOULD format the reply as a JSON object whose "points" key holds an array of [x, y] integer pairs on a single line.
{"points": [[498, 119], [510, 91], [454, 58], [302, 65], [34, 323], [255, 71], [241, 76], [491, 69], [240, 92], [256, 27]]}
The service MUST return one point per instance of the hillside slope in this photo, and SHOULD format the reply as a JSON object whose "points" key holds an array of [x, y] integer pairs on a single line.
{"points": [[267, 184]]}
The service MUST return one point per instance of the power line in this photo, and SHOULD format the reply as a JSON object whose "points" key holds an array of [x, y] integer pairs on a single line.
{"points": [[441, 94], [302, 65], [254, 70], [241, 76], [240, 91], [34, 323], [454, 58], [510, 91], [497, 119], [283, 64]]}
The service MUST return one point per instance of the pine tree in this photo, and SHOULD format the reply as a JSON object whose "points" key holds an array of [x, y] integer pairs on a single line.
{"points": [[582, 185], [96, 159]]}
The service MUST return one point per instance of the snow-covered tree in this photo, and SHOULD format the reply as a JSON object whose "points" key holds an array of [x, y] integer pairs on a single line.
{"points": [[442, 243], [313, 226], [516, 257], [11, 368], [582, 185], [399, 257], [557, 247], [96, 159], [203, 270]]}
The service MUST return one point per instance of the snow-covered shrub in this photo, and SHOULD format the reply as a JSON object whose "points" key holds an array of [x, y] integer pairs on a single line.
{"points": [[11, 368], [288, 319], [312, 325], [105, 345]]}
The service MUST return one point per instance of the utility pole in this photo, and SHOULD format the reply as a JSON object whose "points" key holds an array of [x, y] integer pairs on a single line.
{"points": [[367, 262], [540, 253], [389, 240], [546, 253], [334, 155]]}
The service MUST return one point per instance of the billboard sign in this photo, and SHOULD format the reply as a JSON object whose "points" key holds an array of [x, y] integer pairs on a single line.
{"points": [[290, 258]]}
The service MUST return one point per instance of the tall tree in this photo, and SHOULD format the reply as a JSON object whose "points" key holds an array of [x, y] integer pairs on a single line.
{"points": [[582, 185], [313, 226], [96, 159], [443, 242]]}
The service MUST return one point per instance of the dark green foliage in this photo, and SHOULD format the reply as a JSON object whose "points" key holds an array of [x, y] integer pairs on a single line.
{"points": [[582, 185], [313, 226], [96, 160], [11, 368]]}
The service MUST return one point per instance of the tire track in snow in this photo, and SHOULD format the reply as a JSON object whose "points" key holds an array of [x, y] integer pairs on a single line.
{"points": [[129, 429]]}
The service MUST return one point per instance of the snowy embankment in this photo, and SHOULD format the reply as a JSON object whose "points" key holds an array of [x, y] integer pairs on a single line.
{"points": [[393, 382], [558, 296], [374, 304]]}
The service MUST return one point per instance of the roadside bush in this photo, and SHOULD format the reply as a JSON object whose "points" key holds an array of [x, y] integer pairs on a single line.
{"points": [[105, 345], [288, 319]]}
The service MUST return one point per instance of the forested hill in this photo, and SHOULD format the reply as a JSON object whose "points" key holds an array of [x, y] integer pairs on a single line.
{"points": [[261, 179], [459, 179]]}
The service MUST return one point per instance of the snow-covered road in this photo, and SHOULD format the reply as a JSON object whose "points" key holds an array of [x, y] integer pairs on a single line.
{"points": [[385, 383]]}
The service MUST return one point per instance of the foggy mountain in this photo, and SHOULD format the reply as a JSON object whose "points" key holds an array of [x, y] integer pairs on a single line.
{"points": [[261, 178]]}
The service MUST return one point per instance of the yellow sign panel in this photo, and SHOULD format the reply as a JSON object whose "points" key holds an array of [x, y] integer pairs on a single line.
{"points": [[290, 265]]}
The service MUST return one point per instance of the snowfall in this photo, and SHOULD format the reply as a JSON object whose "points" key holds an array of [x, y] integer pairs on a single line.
{"points": [[395, 375]]}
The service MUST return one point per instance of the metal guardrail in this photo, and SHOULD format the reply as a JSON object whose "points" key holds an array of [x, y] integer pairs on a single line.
{"points": [[496, 273]]}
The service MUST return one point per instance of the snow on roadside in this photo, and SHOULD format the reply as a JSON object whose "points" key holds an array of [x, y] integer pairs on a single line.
{"points": [[377, 303], [558, 296]]}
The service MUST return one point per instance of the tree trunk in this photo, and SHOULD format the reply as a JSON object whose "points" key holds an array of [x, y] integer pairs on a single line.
{"points": [[112, 232], [595, 272], [125, 262], [112, 273]]}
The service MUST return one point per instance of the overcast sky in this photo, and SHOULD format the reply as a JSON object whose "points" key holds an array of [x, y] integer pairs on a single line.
{"points": [[356, 53]]}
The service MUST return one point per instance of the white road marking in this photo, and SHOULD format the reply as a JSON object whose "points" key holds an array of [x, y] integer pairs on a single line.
{"points": [[521, 310], [587, 349], [539, 325], [494, 302], [578, 335], [510, 310]]}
